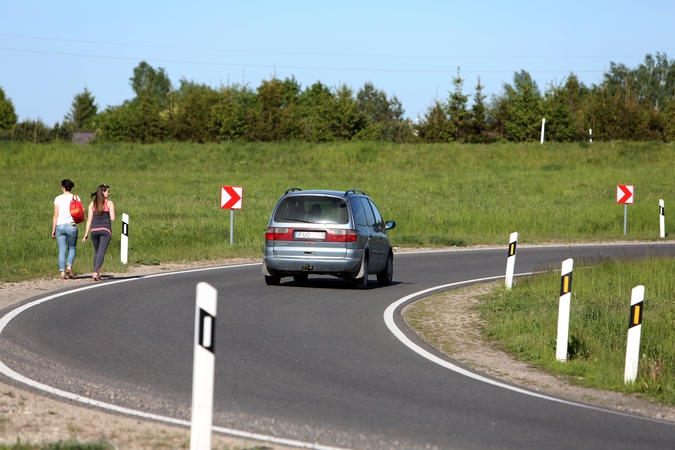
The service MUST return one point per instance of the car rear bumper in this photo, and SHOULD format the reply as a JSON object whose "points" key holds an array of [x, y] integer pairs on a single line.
{"points": [[291, 265]]}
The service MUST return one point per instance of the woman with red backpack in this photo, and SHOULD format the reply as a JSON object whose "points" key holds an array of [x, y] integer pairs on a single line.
{"points": [[64, 228]]}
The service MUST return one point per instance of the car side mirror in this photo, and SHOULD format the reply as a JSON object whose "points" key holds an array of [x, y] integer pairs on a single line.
{"points": [[390, 225]]}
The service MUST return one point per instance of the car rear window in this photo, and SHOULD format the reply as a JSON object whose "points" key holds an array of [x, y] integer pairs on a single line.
{"points": [[312, 209]]}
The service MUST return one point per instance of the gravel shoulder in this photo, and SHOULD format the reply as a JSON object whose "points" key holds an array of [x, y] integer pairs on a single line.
{"points": [[35, 418]]}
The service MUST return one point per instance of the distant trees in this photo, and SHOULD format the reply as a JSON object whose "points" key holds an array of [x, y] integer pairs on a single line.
{"points": [[151, 85], [37, 132], [82, 112], [29, 130], [7, 113], [628, 104], [277, 110]]}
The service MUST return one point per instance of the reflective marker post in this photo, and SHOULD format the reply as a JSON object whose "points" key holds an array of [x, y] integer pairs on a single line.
{"points": [[203, 367], [124, 251], [511, 260], [543, 123], [564, 310], [634, 331], [662, 219]]}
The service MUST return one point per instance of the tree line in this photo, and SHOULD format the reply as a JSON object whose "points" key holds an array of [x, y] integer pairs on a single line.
{"points": [[628, 104]]}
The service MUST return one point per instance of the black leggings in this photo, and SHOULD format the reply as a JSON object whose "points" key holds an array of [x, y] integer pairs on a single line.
{"points": [[100, 239]]}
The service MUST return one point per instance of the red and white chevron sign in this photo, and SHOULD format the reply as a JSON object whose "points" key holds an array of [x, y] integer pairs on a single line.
{"points": [[231, 197], [624, 194]]}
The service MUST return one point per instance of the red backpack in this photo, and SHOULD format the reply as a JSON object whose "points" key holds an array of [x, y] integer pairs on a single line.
{"points": [[76, 209]]}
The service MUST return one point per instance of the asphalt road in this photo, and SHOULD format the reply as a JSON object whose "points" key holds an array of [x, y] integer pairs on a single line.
{"points": [[313, 363]]}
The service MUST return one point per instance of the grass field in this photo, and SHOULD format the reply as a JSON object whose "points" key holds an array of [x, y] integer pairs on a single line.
{"points": [[439, 195]]}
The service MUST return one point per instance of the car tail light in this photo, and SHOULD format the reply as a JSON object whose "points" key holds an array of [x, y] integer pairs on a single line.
{"points": [[341, 236], [279, 234], [286, 234]]}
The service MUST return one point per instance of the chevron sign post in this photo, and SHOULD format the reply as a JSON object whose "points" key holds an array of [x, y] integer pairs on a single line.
{"points": [[231, 198], [624, 195]]}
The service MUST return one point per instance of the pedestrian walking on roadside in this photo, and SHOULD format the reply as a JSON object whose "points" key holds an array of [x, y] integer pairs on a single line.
{"points": [[99, 223], [64, 229]]}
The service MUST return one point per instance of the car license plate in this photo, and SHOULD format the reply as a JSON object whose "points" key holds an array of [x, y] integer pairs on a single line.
{"points": [[310, 235]]}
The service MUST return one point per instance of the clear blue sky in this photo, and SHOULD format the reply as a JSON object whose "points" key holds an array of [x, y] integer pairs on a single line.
{"points": [[50, 51]]}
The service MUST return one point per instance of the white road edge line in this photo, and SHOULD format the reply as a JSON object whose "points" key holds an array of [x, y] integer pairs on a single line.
{"points": [[128, 411], [396, 331]]}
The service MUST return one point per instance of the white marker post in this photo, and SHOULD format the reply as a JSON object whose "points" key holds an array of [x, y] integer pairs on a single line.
{"points": [[124, 251], [203, 367], [511, 260], [662, 219], [543, 123], [564, 310], [634, 330], [590, 134]]}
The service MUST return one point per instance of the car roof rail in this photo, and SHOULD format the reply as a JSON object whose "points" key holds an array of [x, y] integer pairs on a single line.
{"points": [[354, 191], [292, 190]]}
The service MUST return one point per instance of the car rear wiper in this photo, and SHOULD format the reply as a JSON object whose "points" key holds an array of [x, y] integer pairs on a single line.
{"points": [[286, 219]]}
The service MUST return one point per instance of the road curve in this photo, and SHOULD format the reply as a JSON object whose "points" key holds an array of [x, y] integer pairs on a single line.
{"points": [[311, 364]]}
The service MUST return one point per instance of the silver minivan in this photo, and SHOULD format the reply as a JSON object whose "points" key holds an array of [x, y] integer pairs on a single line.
{"points": [[327, 232]]}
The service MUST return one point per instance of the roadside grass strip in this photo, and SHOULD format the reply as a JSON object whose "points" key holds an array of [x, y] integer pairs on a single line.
{"points": [[600, 313]]}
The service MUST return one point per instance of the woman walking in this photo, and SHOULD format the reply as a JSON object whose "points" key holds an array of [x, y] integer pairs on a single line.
{"points": [[64, 229], [99, 222]]}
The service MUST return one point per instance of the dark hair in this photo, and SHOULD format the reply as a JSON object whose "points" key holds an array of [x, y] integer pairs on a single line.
{"points": [[67, 184], [99, 199]]}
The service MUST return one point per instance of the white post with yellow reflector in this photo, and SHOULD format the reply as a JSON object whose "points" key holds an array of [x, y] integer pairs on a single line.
{"points": [[634, 331], [564, 310], [511, 260]]}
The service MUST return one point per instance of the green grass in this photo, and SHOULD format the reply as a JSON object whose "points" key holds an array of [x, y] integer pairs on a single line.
{"points": [[524, 321], [439, 195]]}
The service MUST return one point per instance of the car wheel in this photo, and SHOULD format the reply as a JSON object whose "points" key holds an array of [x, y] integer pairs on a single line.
{"points": [[362, 283], [301, 278], [385, 277], [272, 280]]}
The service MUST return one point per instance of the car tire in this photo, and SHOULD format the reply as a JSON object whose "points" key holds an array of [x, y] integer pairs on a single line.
{"points": [[301, 278], [362, 283], [272, 280], [385, 277]]}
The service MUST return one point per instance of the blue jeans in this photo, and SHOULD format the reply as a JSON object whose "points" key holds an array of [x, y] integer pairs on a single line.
{"points": [[66, 237]]}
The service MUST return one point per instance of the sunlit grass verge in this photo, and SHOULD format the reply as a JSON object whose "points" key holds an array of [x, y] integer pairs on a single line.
{"points": [[439, 195], [524, 322], [60, 445]]}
